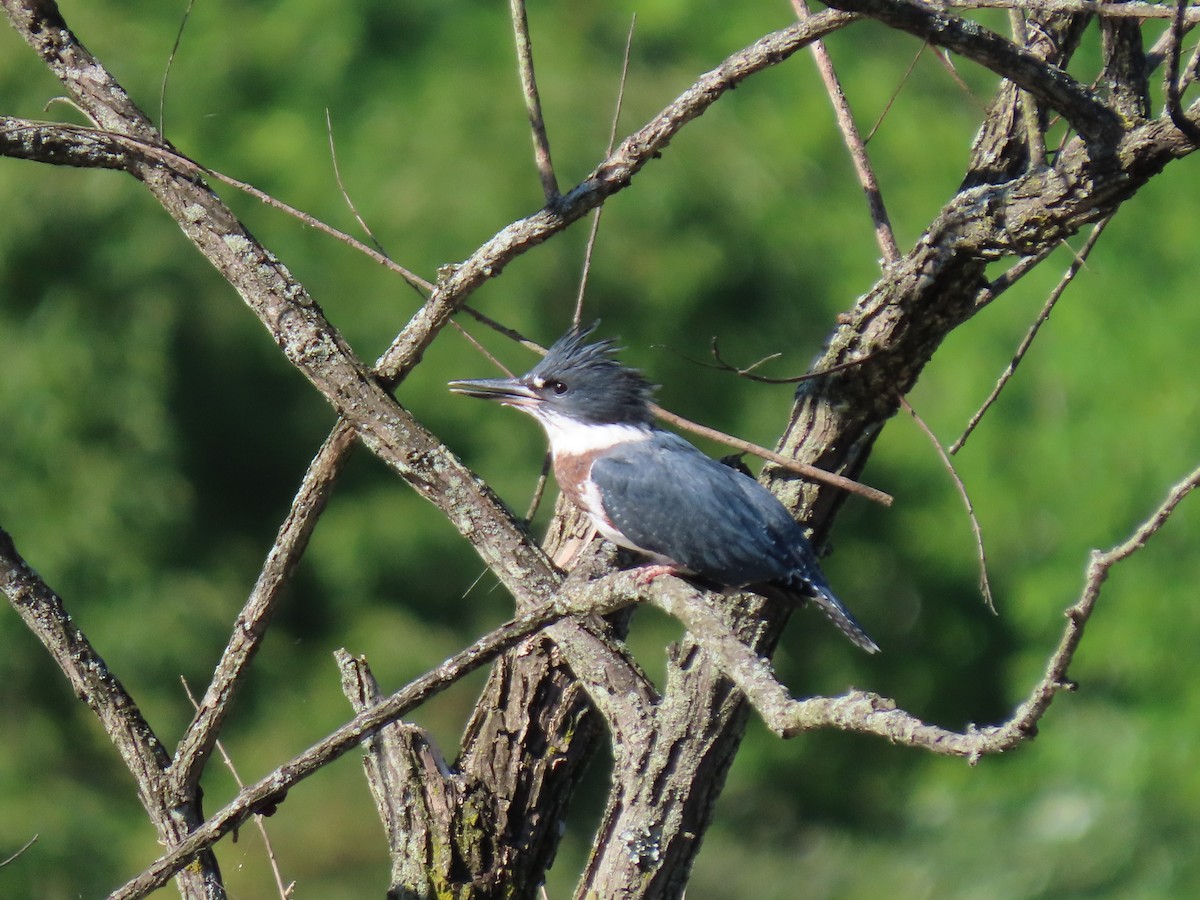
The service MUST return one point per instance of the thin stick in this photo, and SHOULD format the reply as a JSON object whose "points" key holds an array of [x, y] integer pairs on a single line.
{"points": [[285, 891], [1191, 72], [539, 489], [1076, 264], [887, 107], [162, 91], [1011, 276], [855, 144], [748, 373], [985, 586], [804, 469], [337, 174], [533, 102], [29, 843], [612, 141], [191, 167]]}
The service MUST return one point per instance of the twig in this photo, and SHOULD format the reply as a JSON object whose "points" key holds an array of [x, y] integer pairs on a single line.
{"points": [[421, 286], [1189, 75], [1042, 317], [891, 100], [29, 843], [487, 354], [985, 586], [539, 489], [884, 235], [947, 63], [1012, 275], [191, 168], [803, 469], [285, 891], [747, 372], [162, 91], [1157, 54], [510, 333], [612, 140], [596, 598], [533, 102]]}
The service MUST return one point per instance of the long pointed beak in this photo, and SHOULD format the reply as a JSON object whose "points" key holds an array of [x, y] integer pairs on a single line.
{"points": [[508, 391]]}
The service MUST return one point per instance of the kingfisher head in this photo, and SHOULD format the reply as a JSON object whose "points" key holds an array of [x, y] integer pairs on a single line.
{"points": [[575, 384]]}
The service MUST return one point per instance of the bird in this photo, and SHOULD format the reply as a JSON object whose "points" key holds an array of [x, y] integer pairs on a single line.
{"points": [[651, 491]]}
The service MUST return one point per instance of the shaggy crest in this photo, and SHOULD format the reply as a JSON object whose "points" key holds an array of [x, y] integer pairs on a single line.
{"points": [[597, 387]]}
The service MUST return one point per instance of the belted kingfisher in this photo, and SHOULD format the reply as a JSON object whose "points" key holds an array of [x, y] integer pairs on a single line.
{"points": [[652, 492]]}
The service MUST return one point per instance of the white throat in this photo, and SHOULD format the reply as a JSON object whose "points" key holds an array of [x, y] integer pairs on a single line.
{"points": [[571, 437]]}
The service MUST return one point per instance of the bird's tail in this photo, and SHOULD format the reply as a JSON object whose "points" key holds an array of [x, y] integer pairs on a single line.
{"points": [[821, 595]]}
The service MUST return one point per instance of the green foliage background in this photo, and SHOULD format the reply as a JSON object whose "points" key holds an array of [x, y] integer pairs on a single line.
{"points": [[151, 437]]}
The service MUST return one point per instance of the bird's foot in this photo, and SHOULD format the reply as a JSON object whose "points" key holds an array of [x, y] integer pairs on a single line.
{"points": [[643, 575]]}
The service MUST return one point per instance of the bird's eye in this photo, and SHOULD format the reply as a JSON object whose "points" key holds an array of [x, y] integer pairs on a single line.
{"points": [[557, 386]]}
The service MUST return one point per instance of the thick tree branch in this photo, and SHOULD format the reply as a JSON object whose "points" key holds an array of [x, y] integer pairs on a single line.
{"points": [[1097, 123], [144, 756], [430, 815], [1115, 10], [605, 595], [250, 628], [893, 331]]}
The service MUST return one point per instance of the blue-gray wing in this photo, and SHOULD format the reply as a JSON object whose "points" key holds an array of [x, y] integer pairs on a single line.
{"points": [[668, 498]]}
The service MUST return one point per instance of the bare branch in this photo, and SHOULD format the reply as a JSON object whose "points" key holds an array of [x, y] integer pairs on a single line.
{"points": [[74, 145], [1030, 115], [250, 629], [869, 713], [803, 469], [985, 586], [140, 750], [162, 92], [285, 890], [29, 843], [1027, 341], [1132, 10], [605, 595], [533, 102], [855, 144], [612, 140], [1097, 123]]}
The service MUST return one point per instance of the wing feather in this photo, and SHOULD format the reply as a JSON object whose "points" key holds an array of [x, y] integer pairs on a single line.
{"points": [[670, 500]]}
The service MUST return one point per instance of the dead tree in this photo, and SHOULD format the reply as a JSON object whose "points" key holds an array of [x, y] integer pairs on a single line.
{"points": [[561, 680]]}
